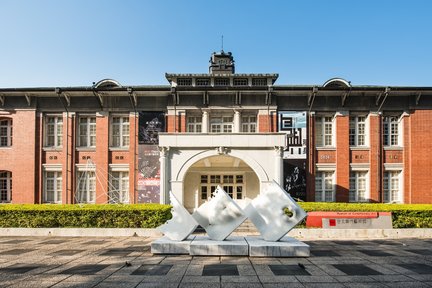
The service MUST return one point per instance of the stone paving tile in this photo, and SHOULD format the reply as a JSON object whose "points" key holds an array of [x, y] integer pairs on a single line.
{"points": [[283, 285], [194, 269], [32, 284], [187, 270], [240, 285], [391, 278], [246, 270], [323, 285], [240, 279], [365, 285], [199, 285], [202, 279], [278, 279], [75, 284], [315, 279], [408, 285], [354, 279]]}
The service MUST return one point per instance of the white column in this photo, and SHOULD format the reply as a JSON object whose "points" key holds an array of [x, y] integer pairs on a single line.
{"points": [[279, 165], [237, 121], [164, 198], [205, 122]]}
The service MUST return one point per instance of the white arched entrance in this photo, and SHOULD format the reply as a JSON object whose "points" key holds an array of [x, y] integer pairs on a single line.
{"points": [[234, 175], [185, 157]]}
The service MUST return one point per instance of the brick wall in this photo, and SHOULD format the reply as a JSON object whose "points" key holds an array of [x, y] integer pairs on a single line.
{"points": [[342, 158], [20, 158], [420, 149]]}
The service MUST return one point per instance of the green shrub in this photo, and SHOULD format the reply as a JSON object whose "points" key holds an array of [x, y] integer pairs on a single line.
{"points": [[97, 216], [403, 215]]}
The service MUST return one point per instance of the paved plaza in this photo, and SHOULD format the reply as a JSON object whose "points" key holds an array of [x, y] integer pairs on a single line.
{"points": [[127, 262]]}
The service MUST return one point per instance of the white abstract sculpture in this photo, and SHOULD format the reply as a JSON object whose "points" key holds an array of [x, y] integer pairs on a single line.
{"points": [[181, 225], [267, 212], [220, 216]]}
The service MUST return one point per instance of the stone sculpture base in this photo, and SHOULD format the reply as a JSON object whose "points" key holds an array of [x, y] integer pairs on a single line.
{"points": [[253, 246], [232, 246], [166, 246], [286, 247]]}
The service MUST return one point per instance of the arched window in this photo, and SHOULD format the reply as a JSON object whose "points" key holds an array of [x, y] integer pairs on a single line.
{"points": [[5, 132], [5, 186]]}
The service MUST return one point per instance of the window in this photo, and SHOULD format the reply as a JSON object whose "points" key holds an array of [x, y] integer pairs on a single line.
{"points": [[5, 186], [119, 187], [120, 132], [222, 124], [357, 186], [324, 131], [324, 188], [392, 187], [357, 131], [202, 82], [249, 123], [86, 187], [390, 131], [231, 183], [53, 131], [241, 82], [87, 132], [5, 132], [184, 81], [194, 124], [221, 81], [259, 81], [53, 187]]}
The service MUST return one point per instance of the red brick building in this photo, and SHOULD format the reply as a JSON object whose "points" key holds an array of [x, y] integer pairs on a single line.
{"points": [[131, 144]]}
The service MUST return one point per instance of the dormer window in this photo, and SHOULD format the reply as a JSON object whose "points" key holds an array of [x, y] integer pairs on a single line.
{"points": [[202, 82], [184, 81], [241, 82], [221, 81], [259, 82]]}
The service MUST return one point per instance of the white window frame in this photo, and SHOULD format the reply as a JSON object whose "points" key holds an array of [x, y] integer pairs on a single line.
{"points": [[222, 124], [249, 123], [123, 128], [86, 178], [324, 138], [57, 179], [392, 131], [194, 124], [57, 135], [355, 179], [214, 179], [119, 175], [5, 186], [5, 132], [357, 138], [86, 132], [321, 189], [388, 186]]}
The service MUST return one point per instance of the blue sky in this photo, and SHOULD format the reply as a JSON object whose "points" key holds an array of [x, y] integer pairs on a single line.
{"points": [[74, 43]]}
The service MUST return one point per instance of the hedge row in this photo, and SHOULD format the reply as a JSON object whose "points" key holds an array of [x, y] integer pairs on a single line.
{"points": [[153, 215], [403, 215], [97, 216]]}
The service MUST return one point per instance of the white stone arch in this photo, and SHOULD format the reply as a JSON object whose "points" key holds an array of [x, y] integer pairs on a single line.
{"points": [[254, 165]]}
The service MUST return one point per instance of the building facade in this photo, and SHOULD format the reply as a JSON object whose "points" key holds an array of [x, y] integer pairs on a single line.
{"points": [[109, 143]]}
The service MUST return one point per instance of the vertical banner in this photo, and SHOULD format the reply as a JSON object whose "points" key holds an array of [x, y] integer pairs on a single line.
{"points": [[150, 124], [293, 123], [295, 178]]}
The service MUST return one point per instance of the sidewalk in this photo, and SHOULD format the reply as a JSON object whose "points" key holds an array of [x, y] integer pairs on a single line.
{"points": [[101, 262]]}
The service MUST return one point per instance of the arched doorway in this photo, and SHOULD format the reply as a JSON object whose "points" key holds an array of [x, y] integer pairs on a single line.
{"points": [[236, 177]]}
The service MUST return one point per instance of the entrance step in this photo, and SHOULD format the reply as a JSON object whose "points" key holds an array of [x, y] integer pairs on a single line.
{"points": [[246, 227]]}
